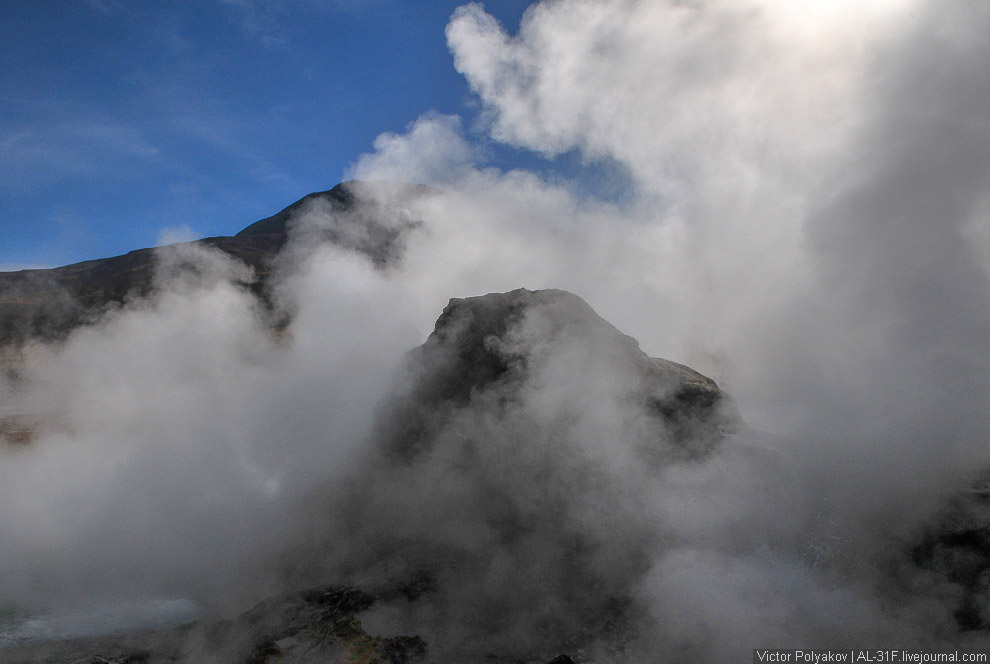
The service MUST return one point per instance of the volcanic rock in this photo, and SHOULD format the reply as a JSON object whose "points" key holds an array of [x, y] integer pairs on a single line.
{"points": [[492, 344]]}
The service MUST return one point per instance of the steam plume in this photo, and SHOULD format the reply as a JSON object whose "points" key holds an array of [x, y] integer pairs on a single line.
{"points": [[806, 220]]}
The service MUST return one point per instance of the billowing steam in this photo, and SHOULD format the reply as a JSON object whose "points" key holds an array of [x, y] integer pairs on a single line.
{"points": [[807, 220]]}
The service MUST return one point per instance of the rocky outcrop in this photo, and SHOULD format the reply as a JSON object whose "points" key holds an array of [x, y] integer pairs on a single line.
{"points": [[492, 344]]}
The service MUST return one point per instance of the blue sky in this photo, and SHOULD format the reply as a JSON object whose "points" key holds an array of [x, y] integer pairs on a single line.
{"points": [[120, 118]]}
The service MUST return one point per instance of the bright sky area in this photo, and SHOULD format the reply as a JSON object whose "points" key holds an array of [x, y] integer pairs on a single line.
{"points": [[120, 119]]}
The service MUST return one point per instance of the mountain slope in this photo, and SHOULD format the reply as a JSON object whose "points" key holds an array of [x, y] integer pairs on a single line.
{"points": [[48, 304]]}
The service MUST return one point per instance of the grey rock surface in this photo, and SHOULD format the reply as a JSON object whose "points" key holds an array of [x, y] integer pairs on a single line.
{"points": [[493, 343]]}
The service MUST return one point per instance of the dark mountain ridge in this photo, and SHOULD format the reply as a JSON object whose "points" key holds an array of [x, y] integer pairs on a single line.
{"points": [[46, 304]]}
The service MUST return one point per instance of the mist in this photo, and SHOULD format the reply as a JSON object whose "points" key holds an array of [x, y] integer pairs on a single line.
{"points": [[804, 218]]}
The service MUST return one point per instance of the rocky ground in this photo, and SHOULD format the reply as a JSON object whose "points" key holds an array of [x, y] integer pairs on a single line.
{"points": [[321, 626]]}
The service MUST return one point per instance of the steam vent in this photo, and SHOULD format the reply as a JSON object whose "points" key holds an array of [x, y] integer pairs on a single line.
{"points": [[524, 487]]}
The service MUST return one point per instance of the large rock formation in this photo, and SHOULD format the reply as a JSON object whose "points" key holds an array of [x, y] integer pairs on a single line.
{"points": [[492, 344]]}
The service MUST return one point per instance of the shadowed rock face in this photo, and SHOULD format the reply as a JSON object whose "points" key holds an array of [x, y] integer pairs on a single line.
{"points": [[493, 344]]}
